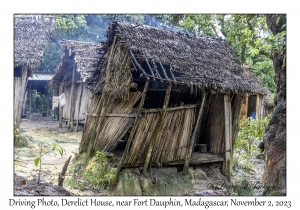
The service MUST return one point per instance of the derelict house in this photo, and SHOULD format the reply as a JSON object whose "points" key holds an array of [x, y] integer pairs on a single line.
{"points": [[163, 93], [31, 34], [256, 105], [75, 67]]}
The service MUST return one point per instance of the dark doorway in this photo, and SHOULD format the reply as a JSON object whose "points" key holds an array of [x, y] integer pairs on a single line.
{"points": [[252, 107]]}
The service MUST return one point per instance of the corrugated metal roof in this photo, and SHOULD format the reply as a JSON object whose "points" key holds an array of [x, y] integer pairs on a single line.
{"points": [[41, 76]]}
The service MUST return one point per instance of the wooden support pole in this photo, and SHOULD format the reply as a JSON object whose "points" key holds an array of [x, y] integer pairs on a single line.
{"points": [[47, 99], [157, 128], [257, 108], [193, 137], [72, 100], [29, 99], [60, 107], [227, 108], [134, 124]]}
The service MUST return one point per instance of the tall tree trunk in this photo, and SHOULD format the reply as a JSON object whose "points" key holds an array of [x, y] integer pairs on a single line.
{"points": [[275, 136]]}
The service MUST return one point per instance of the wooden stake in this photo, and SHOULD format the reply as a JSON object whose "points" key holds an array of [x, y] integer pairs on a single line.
{"points": [[60, 107], [134, 124], [63, 172], [227, 107], [157, 128], [193, 137]]}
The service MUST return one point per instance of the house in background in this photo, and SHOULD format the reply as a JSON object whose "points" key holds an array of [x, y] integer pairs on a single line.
{"points": [[38, 84], [256, 105], [76, 66], [31, 35], [160, 93]]}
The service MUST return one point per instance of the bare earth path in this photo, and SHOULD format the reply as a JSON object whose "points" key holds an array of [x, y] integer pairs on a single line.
{"points": [[46, 132]]}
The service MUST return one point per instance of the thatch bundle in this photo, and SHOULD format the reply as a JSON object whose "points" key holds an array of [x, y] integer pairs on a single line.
{"points": [[31, 34], [83, 55]]}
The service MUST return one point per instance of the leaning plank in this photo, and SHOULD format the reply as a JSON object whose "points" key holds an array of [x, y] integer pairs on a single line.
{"points": [[157, 128]]}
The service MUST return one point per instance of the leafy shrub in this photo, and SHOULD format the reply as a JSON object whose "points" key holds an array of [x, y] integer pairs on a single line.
{"points": [[246, 143]]}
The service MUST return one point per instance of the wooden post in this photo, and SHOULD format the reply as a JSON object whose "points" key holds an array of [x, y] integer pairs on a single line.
{"points": [[157, 128], [79, 105], [47, 99], [29, 99], [257, 108], [193, 137], [72, 100], [227, 108], [60, 107], [134, 124]]}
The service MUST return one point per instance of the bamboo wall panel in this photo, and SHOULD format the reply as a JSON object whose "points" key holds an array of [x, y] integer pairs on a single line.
{"points": [[172, 139], [112, 128], [90, 120]]}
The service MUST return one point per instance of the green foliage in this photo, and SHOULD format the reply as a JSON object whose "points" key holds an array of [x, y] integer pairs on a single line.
{"points": [[243, 186], [37, 161], [16, 135], [74, 183], [51, 58], [246, 143], [97, 172], [46, 149]]}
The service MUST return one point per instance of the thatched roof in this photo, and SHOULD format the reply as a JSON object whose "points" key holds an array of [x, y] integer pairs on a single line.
{"points": [[31, 34], [193, 60], [83, 54], [257, 86]]}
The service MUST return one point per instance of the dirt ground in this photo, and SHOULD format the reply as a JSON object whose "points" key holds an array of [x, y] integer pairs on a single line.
{"points": [[46, 132]]}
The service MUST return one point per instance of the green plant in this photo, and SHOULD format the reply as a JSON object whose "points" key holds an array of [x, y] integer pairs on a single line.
{"points": [[16, 135], [245, 146], [46, 149], [98, 172]]}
